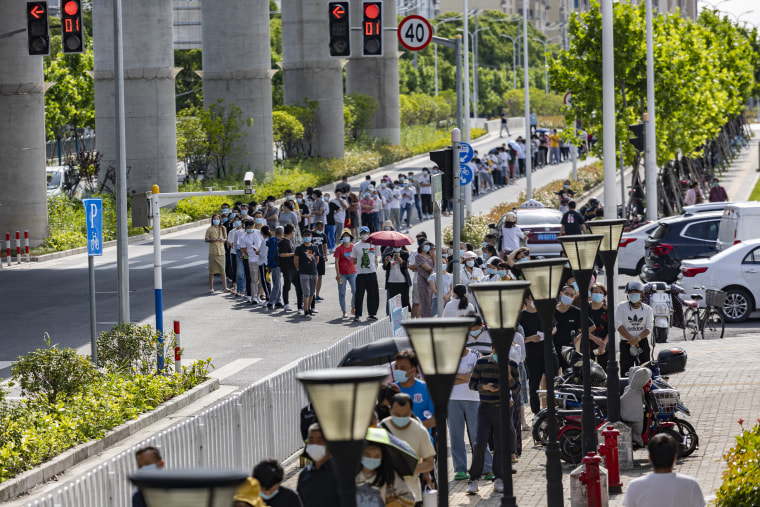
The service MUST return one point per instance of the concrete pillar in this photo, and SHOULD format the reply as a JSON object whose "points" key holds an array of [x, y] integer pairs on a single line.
{"points": [[22, 132], [150, 121], [377, 77], [237, 67], [310, 73]]}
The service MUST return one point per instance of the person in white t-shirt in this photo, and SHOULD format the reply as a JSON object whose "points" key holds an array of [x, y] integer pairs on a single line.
{"points": [[511, 234], [460, 305], [463, 409], [634, 322], [663, 487], [426, 194], [446, 287], [365, 257], [394, 206], [407, 203], [470, 273]]}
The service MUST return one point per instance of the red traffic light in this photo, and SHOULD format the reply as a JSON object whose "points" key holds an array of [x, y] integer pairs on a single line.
{"points": [[338, 12], [36, 10], [71, 8], [371, 11]]}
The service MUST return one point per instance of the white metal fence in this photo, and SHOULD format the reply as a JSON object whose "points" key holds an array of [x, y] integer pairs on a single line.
{"points": [[262, 421]]}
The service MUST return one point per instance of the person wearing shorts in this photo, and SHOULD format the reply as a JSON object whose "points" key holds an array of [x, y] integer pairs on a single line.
{"points": [[306, 260]]}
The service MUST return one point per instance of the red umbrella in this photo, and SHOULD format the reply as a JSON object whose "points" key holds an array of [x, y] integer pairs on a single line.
{"points": [[389, 238]]}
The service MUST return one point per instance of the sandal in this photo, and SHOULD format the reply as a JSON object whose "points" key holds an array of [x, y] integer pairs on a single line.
{"points": [[211, 291]]}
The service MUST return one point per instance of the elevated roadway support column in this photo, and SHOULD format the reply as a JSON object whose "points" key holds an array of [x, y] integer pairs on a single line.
{"points": [[377, 76], [22, 131], [237, 67], [309, 73], [149, 103]]}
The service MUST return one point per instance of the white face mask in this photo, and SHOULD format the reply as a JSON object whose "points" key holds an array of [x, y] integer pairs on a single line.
{"points": [[316, 452], [364, 237]]}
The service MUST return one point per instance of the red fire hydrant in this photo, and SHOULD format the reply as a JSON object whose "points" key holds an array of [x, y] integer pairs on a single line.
{"points": [[609, 449], [591, 478]]}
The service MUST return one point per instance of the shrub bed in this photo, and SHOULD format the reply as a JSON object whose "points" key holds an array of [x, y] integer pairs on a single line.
{"points": [[741, 480]]}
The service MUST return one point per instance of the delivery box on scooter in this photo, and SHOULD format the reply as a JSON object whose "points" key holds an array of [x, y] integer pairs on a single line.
{"points": [[671, 360]]}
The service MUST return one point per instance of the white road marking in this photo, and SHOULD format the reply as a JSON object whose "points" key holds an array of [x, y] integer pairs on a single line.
{"points": [[229, 369], [5, 364], [188, 265]]}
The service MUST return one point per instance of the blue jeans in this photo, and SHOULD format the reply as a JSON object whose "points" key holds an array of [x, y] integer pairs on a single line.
{"points": [[376, 220], [406, 210], [240, 275], [418, 207], [350, 280], [461, 412], [330, 231], [274, 296]]}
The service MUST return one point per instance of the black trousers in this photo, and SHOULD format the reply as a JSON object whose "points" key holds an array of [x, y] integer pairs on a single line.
{"points": [[230, 264], [427, 204], [489, 420], [627, 360], [535, 369], [247, 271], [395, 289], [263, 277], [290, 276], [367, 282]]}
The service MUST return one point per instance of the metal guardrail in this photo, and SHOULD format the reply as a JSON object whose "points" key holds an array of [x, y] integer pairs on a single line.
{"points": [[261, 421]]}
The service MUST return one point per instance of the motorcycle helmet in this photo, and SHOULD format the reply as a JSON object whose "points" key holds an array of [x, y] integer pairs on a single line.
{"points": [[598, 375], [634, 285]]}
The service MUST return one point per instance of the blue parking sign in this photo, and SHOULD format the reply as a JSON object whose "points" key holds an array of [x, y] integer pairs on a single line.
{"points": [[93, 209]]}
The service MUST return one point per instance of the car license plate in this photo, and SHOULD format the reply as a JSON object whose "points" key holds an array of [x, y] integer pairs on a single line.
{"points": [[547, 237]]}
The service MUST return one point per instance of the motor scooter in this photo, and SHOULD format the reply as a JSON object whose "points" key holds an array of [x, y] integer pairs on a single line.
{"points": [[662, 307]]}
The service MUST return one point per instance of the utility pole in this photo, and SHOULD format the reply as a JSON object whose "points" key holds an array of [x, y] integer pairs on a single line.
{"points": [[526, 84], [650, 155]]}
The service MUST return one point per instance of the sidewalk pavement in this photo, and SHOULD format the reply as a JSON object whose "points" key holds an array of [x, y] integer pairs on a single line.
{"points": [[720, 386]]}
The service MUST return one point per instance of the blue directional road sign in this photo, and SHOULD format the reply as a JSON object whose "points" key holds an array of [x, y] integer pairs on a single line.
{"points": [[94, 212], [465, 175], [465, 153]]}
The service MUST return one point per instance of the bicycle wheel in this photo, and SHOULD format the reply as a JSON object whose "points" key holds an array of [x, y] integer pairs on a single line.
{"points": [[712, 326], [688, 323]]}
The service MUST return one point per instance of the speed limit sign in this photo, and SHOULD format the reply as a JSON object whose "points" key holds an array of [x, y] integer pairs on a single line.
{"points": [[415, 32]]}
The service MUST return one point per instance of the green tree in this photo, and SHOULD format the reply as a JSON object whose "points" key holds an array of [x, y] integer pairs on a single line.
{"points": [[70, 101], [363, 111], [222, 125], [188, 84], [192, 141], [287, 132]]}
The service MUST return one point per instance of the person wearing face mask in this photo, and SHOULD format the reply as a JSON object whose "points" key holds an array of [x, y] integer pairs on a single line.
{"points": [[533, 337], [377, 210], [270, 474], [319, 240], [147, 458], [470, 273], [415, 183], [397, 279], [317, 482], [248, 494], [237, 272], [717, 192], [492, 266], [243, 210], [407, 202], [338, 207], [425, 264], [367, 205], [598, 313], [394, 205], [216, 237], [254, 260], [271, 213], [401, 424], [426, 194], [446, 286], [564, 195], [290, 276], [405, 370], [567, 324], [306, 259], [478, 338], [345, 270], [377, 478], [634, 322], [245, 241], [364, 256], [319, 211]]}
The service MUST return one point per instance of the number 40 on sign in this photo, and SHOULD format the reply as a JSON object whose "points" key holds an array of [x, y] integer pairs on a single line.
{"points": [[415, 32]]}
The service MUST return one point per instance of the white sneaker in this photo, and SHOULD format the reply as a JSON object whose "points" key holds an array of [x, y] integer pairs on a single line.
{"points": [[498, 486], [300, 311], [287, 308], [472, 488], [248, 299]]}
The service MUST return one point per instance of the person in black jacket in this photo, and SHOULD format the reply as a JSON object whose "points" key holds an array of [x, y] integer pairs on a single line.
{"points": [[397, 278]]}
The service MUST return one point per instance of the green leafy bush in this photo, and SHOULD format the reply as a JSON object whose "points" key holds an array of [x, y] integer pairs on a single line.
{"points": [[473, 230], [129, 347], [741, 480], [53, 373]]}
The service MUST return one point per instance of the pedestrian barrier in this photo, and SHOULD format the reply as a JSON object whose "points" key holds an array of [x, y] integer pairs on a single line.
{"points": [[18, 247], [261, 421]]}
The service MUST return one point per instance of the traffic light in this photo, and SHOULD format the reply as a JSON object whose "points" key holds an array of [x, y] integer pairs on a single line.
{"points": [[445, 162], [340, 29], [638, 141], [71, 23], [37, 28], [372, 29]]}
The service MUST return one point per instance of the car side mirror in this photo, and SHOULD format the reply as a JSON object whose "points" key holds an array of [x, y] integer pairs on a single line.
{"points": [[492, 226]]}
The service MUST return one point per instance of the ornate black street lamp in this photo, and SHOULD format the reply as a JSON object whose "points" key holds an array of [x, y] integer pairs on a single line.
{"points": [[197, 487]]}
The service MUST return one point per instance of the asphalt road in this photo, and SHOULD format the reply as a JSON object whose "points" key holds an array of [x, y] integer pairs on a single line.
{"points": [[249, 342]]}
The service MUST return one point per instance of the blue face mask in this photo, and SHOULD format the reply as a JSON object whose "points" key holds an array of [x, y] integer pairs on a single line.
{"points": [[346, 239], [366, 196], [258, 220], [249, 231], [237, 223], [491, 271], [426, 248], [597, 297], [326, 199], [634, 297], [371, 463], [215, 222], [495, 357], [225, 210], [400, 421], [502, 273], [225, 220], [299, 200], [574, 285], [566, 300], [233, 214], [243, 213], [269, 496], [399, 376], [461, 253], [476, 332], [397, 250], [307, 239]]}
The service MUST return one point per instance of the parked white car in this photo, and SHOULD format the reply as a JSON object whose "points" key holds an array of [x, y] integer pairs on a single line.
{"points": [[735, 270], [632, 252]]}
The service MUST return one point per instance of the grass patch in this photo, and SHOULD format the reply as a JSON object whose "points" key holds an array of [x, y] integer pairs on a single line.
{"points": [[755, 195]]}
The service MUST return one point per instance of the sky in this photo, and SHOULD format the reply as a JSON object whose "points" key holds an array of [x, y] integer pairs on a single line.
{"points": [[736, 7]]}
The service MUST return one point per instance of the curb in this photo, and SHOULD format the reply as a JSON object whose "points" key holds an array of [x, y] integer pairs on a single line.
{"points": [[48, 470]]}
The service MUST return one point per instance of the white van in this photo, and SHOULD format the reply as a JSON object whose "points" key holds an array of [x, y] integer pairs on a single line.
{"points": [[740, 222], [55, 177]]}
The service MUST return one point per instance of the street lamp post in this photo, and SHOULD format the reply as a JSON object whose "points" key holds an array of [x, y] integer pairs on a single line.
{"points": [[500, 304], [438, 344], [514, 60], [612, 230], [435, 46], [545, 276], [581, 252], [546, 67], [197, 487], [343, 401], [526, 84]]}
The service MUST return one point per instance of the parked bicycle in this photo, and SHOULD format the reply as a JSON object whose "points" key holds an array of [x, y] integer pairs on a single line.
{"points": [[707, 321]]}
